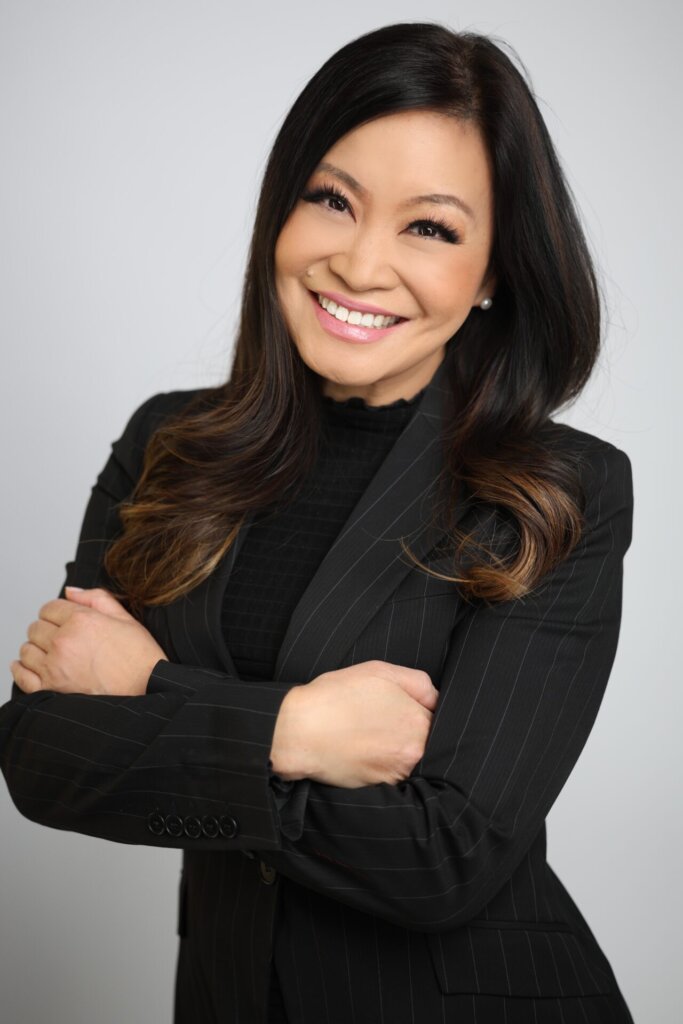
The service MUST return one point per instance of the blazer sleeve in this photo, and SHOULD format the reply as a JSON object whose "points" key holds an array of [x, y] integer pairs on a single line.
{"points": [[102, 765], [520, 689]]}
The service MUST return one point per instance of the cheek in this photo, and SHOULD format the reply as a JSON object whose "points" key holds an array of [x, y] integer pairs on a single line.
{"points": [[445, 292], [299, 242], [284, 251], [448, 290]]}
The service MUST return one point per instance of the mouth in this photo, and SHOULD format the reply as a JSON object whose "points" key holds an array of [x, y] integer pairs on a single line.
{"points": [[355, 325], [357, 314]]}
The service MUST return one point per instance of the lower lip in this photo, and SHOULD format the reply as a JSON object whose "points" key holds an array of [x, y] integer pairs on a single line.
{"points": [[351, 332]]}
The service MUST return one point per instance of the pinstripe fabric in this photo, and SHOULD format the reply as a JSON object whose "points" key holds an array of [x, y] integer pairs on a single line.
{"points": [[430, 901]]}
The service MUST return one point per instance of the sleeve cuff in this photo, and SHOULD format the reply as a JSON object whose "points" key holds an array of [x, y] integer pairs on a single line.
{"points": [[255, 706], [290, 799]]}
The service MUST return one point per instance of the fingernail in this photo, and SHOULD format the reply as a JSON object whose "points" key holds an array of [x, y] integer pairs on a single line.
{"points": [[74, 588]]}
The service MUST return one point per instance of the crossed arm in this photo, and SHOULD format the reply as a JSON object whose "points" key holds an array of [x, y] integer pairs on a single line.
{"points": [[360, 725], [521, 686]]}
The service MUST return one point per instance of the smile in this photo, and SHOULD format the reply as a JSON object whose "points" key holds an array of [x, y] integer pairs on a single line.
{"points": [[356, 316], [353, 325]]}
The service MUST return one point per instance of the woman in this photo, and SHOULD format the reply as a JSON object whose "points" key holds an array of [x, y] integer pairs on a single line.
{"points": [[346, 621]]}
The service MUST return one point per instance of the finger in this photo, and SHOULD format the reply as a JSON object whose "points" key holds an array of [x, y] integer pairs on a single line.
{"points": [[26, 680], [32, 658], [99, 599], [42, 633], [429, 697], [418, 685], [58, 611], [79, 595]]}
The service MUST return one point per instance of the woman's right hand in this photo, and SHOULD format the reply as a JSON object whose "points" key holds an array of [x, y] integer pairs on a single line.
{"points": [[355, 726]]}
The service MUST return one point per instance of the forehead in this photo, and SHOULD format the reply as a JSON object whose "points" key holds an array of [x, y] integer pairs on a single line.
{"points": [[415, 151]]}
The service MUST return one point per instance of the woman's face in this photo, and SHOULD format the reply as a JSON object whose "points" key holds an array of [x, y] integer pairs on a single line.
{"points": [[408, 234]]}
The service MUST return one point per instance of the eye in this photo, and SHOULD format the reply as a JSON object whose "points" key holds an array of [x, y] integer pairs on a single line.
{"points": [[436, 229], [428, 228], [325, 192]]}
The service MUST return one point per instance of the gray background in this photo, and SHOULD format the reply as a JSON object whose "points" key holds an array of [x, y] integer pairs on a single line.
{"points": [[133, 139]]}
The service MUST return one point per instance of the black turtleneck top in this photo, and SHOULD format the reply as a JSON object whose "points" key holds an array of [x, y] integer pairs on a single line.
{"points": [[283, 548]]}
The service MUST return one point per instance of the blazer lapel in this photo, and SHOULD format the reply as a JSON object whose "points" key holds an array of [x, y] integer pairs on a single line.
{"points": [[365, 563], [194, 620], [359, 572]]}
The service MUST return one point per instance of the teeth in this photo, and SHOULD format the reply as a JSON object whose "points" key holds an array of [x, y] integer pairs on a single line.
{"points": [[355, 316]]}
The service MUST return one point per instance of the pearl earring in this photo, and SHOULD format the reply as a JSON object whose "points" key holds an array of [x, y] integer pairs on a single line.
{"points": [[486, 303]]}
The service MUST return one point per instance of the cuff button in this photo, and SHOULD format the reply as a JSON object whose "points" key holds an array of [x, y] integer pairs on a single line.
{"points": [[193, 828], [228, 827], [174, 825], [156, 823], [210, 826]]}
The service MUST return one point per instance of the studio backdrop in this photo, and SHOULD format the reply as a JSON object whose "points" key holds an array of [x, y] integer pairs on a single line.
{"points": [[134, 138]]}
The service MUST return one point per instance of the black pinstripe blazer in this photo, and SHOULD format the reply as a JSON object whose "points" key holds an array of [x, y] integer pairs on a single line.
{"points": [[428, 901]]}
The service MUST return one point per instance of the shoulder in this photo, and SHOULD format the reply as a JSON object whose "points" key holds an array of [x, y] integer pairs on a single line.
{"points": [[585, 449], [604, 470], [156, 410], [579, 442], [159, 407], [129, 448]]}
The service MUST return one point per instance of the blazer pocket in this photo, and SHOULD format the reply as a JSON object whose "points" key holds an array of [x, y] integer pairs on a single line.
{"points": [[516, 959]]}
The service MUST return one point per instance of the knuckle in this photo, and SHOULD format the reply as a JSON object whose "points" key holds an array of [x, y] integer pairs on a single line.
{"points": [[61, 644], [403, 755], [382, 669], [414, 752], [423, 676]]}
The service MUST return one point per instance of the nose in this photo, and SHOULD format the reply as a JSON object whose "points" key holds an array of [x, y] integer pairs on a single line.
{"points": [[364, 263]]}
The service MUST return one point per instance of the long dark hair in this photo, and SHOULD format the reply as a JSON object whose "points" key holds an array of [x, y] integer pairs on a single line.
{"points": [[241, 446]]}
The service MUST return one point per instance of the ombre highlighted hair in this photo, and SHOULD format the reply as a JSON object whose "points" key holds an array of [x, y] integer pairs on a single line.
{"points": [[248, 443]]}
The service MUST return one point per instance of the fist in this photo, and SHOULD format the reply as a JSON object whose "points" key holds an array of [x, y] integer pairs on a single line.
{"points": [[356, 726]]}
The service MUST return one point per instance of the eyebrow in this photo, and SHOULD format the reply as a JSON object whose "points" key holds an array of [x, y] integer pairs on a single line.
{"points": [[437, 198]]}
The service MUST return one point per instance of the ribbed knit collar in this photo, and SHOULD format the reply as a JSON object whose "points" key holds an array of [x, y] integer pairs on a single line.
{"points": [[355, 413]]}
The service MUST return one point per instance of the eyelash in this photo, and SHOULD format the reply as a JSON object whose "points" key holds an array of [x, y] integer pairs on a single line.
{"points": [[332, 192]]}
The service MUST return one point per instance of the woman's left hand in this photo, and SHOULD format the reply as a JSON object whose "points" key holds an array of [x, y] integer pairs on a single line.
{"points": [[86, 643]]}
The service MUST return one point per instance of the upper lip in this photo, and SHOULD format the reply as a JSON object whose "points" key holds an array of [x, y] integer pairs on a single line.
{"points": [[362, 307]]}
